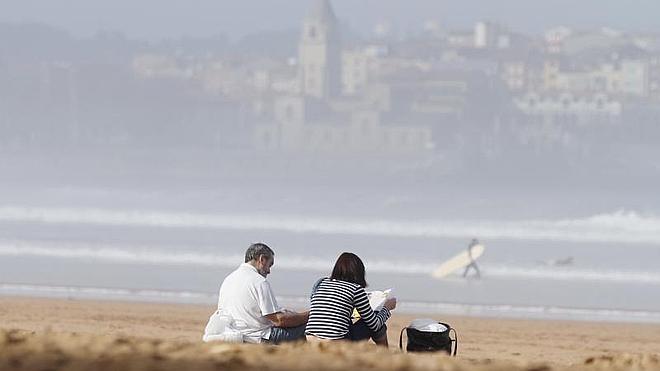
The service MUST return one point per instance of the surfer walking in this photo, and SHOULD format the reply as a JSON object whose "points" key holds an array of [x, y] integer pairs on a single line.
{"points": [[473, 263]]}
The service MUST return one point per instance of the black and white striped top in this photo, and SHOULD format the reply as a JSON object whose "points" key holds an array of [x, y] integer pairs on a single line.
{"points": [[332, 306]]}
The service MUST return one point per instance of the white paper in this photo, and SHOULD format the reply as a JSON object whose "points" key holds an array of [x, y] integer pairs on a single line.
{"points": [[377, 299]]}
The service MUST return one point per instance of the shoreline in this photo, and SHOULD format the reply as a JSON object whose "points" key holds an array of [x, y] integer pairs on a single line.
{"points": [[409, 308], [553, 342]]}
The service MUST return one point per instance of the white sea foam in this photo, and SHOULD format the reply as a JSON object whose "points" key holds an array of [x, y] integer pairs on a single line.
{"points": [[137, 254], [140, 254], [511, 311], [107, 293], [541, 312], [619, 226], [574, 274]]}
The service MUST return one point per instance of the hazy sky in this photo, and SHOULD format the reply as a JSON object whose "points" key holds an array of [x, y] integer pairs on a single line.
{"points": [[156, 19]]}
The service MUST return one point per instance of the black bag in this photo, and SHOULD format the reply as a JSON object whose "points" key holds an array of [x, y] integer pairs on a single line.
{"points": [[426, 341]]}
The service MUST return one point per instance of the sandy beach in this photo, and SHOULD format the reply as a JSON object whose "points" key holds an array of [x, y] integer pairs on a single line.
{"points": [[78, 334]]}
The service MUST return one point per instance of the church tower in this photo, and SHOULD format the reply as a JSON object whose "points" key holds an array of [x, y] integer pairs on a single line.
{"points": [[320, 53]]}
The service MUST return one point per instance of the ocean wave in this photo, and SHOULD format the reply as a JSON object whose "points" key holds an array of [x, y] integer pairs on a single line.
{"points": [[539, 312], [620, 226], [107, 293], [141, 254], [574, 274]]}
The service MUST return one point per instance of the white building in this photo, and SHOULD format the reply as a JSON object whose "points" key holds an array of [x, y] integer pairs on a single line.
{"points": [[554, 38], [634, 78], [488, 35], [355, 71], [627, 77]]}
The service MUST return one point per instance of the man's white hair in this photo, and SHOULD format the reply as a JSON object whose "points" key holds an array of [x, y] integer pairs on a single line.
{"points": [[256, 250]]}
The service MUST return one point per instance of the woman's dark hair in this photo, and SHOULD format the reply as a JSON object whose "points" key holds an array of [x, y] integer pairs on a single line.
{"points": [[349, 268]]}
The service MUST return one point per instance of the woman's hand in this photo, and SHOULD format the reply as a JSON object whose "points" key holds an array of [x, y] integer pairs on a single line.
{"points": [[390, 303]]}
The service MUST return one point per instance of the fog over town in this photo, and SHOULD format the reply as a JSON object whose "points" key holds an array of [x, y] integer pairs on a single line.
{"points": [[322, 126]]}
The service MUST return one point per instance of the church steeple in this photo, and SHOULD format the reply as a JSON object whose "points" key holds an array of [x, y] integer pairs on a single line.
{"points": [[320, 60], [322, 11]]}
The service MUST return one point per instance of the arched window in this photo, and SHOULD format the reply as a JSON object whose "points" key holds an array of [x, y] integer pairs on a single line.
{"points": [[311, 32]]}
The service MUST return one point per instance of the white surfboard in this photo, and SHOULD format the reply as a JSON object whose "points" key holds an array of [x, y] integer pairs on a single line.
{"points": [[459, 261]]}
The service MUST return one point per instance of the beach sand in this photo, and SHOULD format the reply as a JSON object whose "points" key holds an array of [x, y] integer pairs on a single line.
{"points": [[55, 334]]}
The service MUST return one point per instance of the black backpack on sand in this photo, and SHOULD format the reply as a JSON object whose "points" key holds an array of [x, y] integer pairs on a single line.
{"points": [[427, 341]]}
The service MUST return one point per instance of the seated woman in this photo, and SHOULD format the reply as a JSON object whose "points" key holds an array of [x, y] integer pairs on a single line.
{"points": [[333, 300]]}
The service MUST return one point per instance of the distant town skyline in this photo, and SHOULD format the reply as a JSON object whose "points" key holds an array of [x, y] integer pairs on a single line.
{"points": [[154, 19]]}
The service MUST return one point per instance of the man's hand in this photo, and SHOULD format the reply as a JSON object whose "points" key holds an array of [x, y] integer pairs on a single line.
{"points": [[287, 318]]}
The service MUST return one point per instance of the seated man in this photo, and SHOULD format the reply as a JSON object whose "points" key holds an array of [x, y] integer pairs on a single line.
{"points": [[247, 297]]}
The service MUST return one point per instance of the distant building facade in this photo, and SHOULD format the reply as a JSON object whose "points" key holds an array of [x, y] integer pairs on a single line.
{"points": [[320, 53], [338, 108]]}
